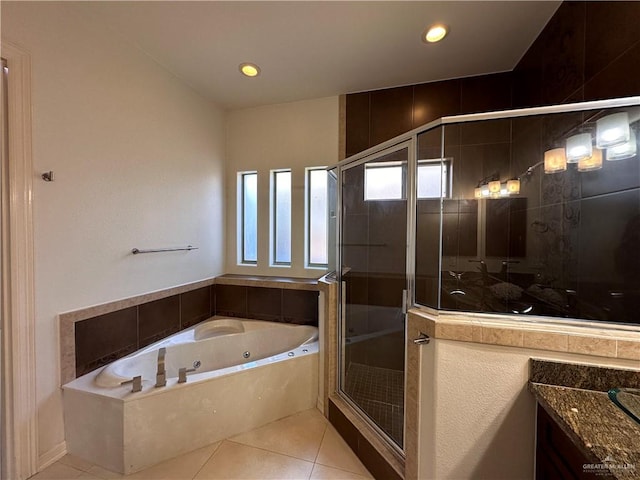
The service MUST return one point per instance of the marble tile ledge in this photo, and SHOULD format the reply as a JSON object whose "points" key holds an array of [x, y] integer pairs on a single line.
{"points": [[584, 338], [291, 283]]}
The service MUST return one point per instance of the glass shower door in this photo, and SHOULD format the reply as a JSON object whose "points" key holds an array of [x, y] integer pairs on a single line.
{"points": [[374, 283]]}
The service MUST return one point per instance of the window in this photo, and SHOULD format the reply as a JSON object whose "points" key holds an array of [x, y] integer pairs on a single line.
{"points": [[281, 217], [386, 180], [248, 186], [316, 217], [433, 178]]}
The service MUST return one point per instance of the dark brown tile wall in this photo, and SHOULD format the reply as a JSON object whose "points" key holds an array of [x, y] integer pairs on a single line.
{"points": [[391, 113], [377, 116], [368, 455], [576, 57], [158, 319], [231, 300], [103, 339], [359, 106], [434, 100], [196, 306], [300, 307], [264, 304]]}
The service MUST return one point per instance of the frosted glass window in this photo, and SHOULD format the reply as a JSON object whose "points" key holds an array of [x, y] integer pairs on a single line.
{"points": [[383, 181], [282, 217], [433, 179], [317, 206], [249, 185]]}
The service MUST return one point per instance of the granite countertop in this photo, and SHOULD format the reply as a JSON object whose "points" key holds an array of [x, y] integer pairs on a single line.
{"points": [[604, 433]]}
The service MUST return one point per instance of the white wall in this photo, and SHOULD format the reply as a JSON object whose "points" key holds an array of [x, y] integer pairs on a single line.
{"points": [[291, 135], [138, 162], [477, 418]]}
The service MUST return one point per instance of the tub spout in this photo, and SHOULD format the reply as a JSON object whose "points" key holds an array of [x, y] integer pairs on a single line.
{"points": [[136, 383], [182, 374], [161, 374]]}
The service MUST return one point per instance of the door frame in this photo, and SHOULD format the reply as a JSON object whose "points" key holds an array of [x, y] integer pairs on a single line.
{"points": [[410, 187], [19, 432]]}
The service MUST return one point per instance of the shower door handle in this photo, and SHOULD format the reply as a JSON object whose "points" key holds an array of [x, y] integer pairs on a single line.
{"points": [[422, 339]]}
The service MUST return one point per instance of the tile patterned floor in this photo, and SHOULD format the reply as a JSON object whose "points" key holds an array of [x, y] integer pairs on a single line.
{"points": [[380, 393], [302, 446]]}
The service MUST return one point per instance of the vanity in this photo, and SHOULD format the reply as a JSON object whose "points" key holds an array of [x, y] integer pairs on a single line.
{"points": [[581, 433]]}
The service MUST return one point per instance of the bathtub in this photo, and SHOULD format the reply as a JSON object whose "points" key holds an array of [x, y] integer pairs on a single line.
{"points": [[247, 373]]}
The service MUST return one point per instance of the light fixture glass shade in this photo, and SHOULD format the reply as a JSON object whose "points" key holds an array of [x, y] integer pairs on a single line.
{"points": [[612, 130], [494, 187], [555, 160], [578, 147], [485, 190], [594, 162], [477, 193], [513, 187], [626, 150]]}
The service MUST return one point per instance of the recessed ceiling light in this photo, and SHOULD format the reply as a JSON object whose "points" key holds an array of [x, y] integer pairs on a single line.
{"points": [[249, 69], [435, 33]]}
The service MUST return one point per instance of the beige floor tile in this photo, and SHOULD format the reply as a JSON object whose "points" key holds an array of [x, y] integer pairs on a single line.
{"points": [[322, 472], [76, 462], [298, 436], [88, 476], [334, 452], [58, 471], [103, 473], [235, 461], [184, 467]]}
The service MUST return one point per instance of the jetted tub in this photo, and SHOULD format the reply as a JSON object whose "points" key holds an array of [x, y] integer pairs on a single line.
{"points": [[249, 373]]}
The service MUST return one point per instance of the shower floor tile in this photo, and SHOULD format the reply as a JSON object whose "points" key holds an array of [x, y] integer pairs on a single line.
{"points": [[380, 393], [302, 446]]}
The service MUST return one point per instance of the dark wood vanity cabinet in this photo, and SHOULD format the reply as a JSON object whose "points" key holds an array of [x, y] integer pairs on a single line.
{"points": [[557, 458]]}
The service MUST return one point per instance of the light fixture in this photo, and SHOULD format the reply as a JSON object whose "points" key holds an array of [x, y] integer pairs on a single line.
{"points": [[494, 186], [626, 150], [612, 130], [485, 190], [477, 192], [594, 162], [249, 69], [435, 33], [555, 160], [513, 187], [578, 147]]}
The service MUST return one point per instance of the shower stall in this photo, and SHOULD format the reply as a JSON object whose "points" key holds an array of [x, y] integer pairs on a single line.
{"points": [[533, 213]]}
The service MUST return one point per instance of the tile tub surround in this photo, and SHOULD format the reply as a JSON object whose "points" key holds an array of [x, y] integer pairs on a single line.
{"points": [[95, 336], [574, 395], [138, 430]]}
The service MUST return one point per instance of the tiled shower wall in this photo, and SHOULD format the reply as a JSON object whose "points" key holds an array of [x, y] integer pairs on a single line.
{"points": [[102, 339], [575, 58]]}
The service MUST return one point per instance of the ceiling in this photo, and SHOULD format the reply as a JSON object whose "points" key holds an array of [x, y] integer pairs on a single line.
{"points": [[313, 49]]}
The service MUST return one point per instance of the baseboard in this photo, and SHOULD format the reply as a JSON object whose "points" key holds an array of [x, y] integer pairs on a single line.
{"points": [[52, 456]]}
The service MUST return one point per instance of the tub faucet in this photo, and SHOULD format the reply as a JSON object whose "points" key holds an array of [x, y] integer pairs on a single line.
{"points": [[161, 374]]}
